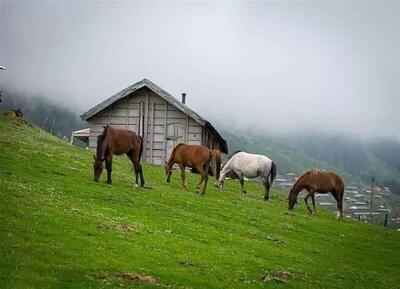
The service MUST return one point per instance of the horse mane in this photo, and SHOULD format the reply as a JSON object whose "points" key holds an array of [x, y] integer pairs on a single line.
{"points": [[174, 150], [306, 174], [100, 150]]}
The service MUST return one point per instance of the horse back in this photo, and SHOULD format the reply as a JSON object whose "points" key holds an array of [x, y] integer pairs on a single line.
{"points": [[190, 155], [324, 181], [120, 141]]}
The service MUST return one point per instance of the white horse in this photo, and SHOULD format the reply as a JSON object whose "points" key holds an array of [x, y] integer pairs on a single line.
{"points": [[242, 164]]}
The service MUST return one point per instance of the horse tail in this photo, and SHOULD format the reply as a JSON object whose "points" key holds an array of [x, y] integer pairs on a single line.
{"points": [[273, 172], [210, 158], [217, 158], [101, 139]]}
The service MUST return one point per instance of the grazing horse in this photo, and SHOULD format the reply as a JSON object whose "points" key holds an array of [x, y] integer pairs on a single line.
{"points": [[242, 164], [215, 164], [118, 141], [322, 182], [193, 156]]}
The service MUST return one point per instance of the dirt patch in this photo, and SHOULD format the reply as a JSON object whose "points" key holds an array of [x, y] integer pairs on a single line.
{"points": [[272, 239], [137, 277], [123, 228], [286, 226], [281, 276], [187, 263]]}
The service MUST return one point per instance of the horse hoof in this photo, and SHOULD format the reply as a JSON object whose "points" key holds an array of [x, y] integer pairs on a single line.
{"points": [[108, 182]]}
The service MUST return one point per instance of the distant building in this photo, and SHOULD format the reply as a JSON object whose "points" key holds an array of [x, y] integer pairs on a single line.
{"points": [[162, 120]]}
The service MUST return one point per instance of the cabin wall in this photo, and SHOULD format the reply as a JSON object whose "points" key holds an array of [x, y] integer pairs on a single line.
{"points": [[210, 140], [161, 124]]}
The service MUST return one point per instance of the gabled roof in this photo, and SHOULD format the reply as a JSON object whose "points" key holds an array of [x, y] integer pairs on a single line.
{"points": [[163, 94]]}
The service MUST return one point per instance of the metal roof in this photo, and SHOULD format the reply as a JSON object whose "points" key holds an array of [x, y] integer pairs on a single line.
{"points": [[163, 94]]}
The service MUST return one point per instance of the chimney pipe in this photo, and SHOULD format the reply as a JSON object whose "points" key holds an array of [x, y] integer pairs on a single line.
{"points": [[183, 97]]}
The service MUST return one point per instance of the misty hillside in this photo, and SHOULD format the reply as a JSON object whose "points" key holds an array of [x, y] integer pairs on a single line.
{"points": [[44, 113], [352, 157]]}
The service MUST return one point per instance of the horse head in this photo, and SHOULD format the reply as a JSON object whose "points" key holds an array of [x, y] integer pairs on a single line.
{"points": [[168, 172], [97, 168], [291, 200]]}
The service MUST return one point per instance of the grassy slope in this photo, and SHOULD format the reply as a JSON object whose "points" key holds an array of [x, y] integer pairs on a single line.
{"points": [[62, 230]]}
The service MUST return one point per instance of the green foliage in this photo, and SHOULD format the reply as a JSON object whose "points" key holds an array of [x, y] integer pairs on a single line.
{"points": [[62, 230]]}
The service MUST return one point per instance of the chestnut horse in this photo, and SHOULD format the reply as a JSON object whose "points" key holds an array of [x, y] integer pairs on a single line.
{"points": [[118, 141], [193, 156], [215, 164], [322, 182]]}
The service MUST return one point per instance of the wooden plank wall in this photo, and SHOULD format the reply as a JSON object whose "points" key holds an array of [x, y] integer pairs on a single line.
{"points": [[125, 113]]}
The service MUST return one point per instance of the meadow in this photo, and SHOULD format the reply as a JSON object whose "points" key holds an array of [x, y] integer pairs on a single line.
{"points": [[59, 229]]}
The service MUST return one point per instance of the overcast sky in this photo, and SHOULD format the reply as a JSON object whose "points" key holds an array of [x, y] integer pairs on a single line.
{"points": [[270, 65]]}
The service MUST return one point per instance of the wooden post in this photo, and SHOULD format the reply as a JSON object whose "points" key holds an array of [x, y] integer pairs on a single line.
{"points": [[152, 132], [146, 121], [127, 114], [165, 132], [187, 131], [372, 196]]}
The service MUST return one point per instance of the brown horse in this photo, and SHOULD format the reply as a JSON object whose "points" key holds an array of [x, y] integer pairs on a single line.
{"points": [[118, 141], [315, 181], [215, 165], [193, 156]]}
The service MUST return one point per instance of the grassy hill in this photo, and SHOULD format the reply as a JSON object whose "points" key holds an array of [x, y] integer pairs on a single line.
{"points": [[62, 230]]}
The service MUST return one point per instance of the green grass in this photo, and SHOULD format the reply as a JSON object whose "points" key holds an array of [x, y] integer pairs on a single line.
{"points": [[59, 229]]}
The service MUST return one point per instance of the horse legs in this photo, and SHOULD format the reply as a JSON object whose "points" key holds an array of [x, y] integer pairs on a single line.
{"points": [[313, 203], [183, 176], [205, 178], [266, 193], [339, 201], [137, 167], [108, 161], [309, 194], [241, 180]]}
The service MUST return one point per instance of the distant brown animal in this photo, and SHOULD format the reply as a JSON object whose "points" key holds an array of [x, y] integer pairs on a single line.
{"points": [[13, 113], [193, 156], [322, 182], [118, 141]]}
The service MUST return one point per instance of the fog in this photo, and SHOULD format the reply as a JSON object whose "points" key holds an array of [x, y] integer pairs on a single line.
{"points": [[266, 66]]}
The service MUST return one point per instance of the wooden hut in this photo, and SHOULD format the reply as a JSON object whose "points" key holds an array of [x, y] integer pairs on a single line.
{"points": [[162, 120]]}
